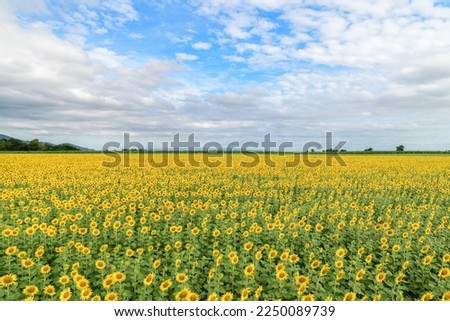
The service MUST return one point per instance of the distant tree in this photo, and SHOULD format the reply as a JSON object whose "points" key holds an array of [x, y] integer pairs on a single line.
{"points": [[3, 144], [35, 145], [400, 148], [17, 145], [370, 149], [63, 147]]}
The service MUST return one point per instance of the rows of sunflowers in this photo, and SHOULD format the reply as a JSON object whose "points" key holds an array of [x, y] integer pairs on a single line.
{"points": [[376, 229]]}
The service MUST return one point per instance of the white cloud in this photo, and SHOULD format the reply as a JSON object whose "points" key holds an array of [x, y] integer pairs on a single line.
{"points": [[234, 58], [201, 45], [185, 57], [136, 35], [105, 57]]}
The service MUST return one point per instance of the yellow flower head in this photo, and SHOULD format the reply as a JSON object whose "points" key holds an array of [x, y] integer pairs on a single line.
{"points": [[181, 277], [111, 296], [340, 252], [350, 296], [227, 296], [30, 290], [8, 280], [149, 279], [165, 285]]}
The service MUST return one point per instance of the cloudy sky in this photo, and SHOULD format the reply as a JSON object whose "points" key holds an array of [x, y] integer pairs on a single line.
{"points": [[376, 73]]}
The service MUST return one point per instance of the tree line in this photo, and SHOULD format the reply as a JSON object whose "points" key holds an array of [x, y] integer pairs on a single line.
{"points": [[15, 144]]}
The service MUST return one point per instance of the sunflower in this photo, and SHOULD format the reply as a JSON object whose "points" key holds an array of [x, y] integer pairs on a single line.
{"points": [[405, 265], [339, 264], [340, 252], [360, 274], [212, 297], [399, 277], [369, 258], [427, 260], [258, 292], [308, 297], [282, 275], [7, 232], [361, 251], [428, 296], [319, 227], [272, 254], [193, 297], [10, 250], [324, 270], [279, 267], [182, 294], [100, 264], [315, 264], [39, 252], [8, 280], [96, 298], [65, 295], [108, 282], [446, 296], [85, 294], [340, 275], [294, 258], [350, 296], [301, 279], [45, 269], [248, 246], [380, 277], [181, 277], [249, 270], [284, 256], [245, 293], [149, 279], [119, 277], [111, 296], [27, 263], [82, 284], [30, 290], [446, 258], [227, 296], [165, 285], [156, 264], [64, 279], [444, 273], [50, 290]]}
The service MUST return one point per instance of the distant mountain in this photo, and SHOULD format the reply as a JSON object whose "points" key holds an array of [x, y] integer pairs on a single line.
{"points": [[24, 145], [83, 149], [5, 137]]}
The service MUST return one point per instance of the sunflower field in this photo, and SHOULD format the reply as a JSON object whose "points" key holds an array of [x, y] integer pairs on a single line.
{"points": [[376, 229]]}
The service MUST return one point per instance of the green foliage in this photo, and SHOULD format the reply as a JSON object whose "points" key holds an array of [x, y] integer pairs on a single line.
{"points": [[14, 145]]}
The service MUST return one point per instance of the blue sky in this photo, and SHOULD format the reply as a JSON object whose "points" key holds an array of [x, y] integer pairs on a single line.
{"points": [[375, 73]]}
